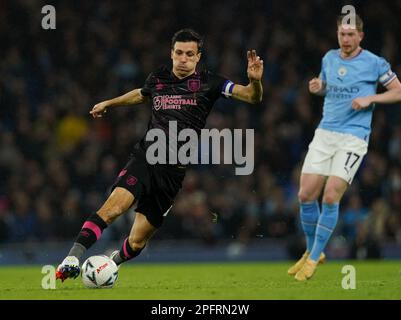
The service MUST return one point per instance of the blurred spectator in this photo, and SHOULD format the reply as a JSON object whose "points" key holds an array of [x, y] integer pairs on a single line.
{"points": [[371, 232], [352, 216]]}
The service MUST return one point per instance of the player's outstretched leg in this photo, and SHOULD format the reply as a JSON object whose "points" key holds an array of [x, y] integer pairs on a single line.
{"points": [[311, 186], [118, 202], [327, 222], [132, 246]]}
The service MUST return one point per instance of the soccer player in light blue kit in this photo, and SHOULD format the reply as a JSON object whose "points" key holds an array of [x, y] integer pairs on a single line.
{"points": [[348, 81]]}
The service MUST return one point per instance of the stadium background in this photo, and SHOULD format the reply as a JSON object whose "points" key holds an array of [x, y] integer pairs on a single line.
{"points": [[56, 162]]}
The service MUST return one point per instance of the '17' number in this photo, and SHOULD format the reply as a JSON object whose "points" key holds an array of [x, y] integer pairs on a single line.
{"points": [[357, 157]]}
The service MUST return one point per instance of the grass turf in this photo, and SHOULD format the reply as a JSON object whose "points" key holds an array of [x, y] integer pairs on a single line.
{"points": [[258, 281]]}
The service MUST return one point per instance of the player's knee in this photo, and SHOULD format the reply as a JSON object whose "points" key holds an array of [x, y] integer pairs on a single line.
{"points": [[136, 244], [109, 214], [305, 196], [331, 196]]}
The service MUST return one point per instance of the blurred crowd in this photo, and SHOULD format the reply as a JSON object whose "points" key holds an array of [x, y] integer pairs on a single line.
{"points": [[57, 163]]}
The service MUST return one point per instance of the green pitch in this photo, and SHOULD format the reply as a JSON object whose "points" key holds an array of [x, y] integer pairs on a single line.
{"points": [[260, 281]]}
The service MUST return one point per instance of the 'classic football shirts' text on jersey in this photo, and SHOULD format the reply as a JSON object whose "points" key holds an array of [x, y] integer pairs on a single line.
{"points": [[347, 79], [187, 101]]}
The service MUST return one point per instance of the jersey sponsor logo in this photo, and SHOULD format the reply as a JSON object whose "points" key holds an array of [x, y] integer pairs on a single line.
{"points": [[194, 85], [172, 102], [337, 89], [342, 71], [337, 92]]}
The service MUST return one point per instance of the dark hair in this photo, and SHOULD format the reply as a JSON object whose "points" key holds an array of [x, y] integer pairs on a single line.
{"points": [[358, 22], [187, 35]]}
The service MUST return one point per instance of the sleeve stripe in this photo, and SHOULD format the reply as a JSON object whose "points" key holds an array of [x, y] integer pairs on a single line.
{"points": [[386, 77], [227, 89], [389, 80]]}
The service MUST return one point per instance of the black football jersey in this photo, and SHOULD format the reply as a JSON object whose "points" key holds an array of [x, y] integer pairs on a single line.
{"points": [[187, 101]]}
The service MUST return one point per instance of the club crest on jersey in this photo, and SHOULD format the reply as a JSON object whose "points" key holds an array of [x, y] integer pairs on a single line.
{"points": [[342, 71], [194, 85]]}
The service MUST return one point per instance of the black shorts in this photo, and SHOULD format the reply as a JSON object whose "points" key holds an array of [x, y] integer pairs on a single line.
{"points": [[153, 186]]}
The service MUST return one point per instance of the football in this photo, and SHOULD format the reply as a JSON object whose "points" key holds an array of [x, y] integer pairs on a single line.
{"points": [[99, 272]]}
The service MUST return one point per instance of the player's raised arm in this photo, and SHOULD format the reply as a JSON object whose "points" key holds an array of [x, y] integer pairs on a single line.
{"points": [[130, 98], [253, 92]]}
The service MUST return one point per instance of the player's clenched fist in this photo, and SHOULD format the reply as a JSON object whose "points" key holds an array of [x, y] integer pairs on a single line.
{"points": [[315, 85], [99, 109], [361, 103]]}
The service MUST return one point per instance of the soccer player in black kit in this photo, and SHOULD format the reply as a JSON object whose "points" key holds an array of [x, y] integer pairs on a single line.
{"points": [[182, 94]]}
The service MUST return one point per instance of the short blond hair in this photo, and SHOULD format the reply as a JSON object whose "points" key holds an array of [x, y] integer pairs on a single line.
{"points": [[358, 21]]}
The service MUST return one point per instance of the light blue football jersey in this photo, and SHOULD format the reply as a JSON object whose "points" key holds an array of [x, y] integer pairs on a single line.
{"points": [[347, 79]]}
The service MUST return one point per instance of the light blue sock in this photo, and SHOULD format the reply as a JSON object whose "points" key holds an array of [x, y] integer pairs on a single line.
{"points": [[310, 212], [325, 227]]}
